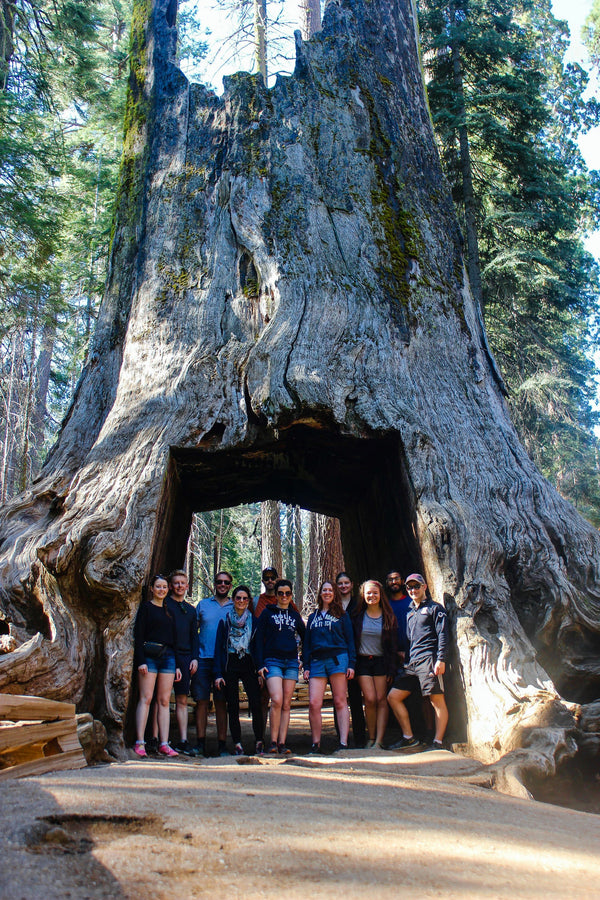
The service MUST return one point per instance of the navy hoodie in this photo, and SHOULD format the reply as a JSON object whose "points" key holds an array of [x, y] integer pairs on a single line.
{"points": [[276, 634], [326, 636]]}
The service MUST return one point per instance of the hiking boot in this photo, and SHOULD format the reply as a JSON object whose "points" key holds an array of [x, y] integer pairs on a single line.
{"points": [[405, 744], [185, 748]]}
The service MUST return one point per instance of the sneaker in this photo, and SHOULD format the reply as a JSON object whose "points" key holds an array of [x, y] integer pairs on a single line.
{"points": [[405, 744], [273, 748], [369, 745], [340, 747], [283, 750], [436, 745], [259, 749], [167, 750], [199, 750], [185, 748], [152, 746], [140, 749], [315, 750], [239, 750]]}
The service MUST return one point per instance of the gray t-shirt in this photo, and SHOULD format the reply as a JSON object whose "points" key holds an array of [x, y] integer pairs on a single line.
{"points": [[370, 639]]}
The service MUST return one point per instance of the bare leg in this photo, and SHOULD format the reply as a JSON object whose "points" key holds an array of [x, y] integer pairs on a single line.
{"points": [[164, 686], [316, 692], [275, 686], [289, 685], [367, 686], [181, 710], [201, 718], [396, 700], [146, 684], [441, 715], [340, 703], [381, 686]]}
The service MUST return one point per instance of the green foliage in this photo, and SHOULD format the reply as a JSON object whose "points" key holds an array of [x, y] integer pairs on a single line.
{"points": [[523, 110], [61, 112], [591, 33]]}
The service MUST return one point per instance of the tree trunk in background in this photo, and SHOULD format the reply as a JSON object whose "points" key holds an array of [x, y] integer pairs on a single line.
{"points": [[325, 549], [247, 227], [290, 559], [260, 37], [270, 529], [299, 554], [310, 17]]}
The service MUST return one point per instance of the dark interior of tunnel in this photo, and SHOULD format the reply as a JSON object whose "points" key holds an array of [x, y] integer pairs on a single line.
{"points": [[360, 481]]}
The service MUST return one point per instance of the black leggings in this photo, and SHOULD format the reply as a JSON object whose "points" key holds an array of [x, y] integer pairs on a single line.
{"points": [[242, 669]]}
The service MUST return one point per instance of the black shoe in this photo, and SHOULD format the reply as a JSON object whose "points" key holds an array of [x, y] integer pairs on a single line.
{"points": [[315, 750], [283, 750], [199, 749], [152, 746], [340, 747], [185, 748], [436, 745], [405, 744]]}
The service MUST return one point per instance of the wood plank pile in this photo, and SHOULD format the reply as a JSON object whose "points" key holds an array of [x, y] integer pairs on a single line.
{"points": [[37, 736]]}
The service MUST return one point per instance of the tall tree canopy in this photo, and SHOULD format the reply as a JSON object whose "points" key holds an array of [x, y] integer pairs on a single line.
{"points": [[62, 87], [507, 113]]}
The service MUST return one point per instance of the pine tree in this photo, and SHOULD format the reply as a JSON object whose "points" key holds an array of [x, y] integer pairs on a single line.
{"points": [[507, 113]]}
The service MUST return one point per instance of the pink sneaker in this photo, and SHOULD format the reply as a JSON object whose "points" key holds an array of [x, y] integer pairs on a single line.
{"points": [[167, 750], [140, 748]]}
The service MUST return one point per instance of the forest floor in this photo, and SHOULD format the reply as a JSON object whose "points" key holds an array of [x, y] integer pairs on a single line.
{"points": [[361, 823]]}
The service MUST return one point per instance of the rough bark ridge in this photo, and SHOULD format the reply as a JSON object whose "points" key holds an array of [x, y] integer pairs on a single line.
{"points": [[288, 315]]}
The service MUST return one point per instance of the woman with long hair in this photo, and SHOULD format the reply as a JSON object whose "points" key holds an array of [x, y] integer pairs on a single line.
{"points": [[155, 656], [376, 638], [234, 663], [278, 630], [328, 653]]}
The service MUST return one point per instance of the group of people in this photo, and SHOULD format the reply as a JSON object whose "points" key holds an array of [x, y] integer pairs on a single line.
{"points": [[375, 651]]}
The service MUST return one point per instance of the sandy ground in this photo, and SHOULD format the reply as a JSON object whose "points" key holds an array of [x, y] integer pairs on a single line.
{"points": [[363, 823]]}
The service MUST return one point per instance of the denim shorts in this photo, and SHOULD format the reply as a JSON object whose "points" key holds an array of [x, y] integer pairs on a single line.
{"points": [[203, 682], [165, 664], [331, 665], [282, 668]]}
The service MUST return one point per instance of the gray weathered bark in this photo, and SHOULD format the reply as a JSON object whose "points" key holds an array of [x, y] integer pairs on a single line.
{"points": [[288, 316]]}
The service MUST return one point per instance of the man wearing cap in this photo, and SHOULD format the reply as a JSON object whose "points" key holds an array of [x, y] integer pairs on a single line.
{"points": [[427, 632]]}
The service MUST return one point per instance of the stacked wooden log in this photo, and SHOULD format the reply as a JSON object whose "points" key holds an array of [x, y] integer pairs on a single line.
{"points": [[37, 736]]}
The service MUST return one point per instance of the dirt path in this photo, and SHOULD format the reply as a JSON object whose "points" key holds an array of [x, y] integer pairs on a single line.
{"points": [[364, 825]]}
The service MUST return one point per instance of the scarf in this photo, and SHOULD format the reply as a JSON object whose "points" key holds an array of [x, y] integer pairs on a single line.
{"points": [[240, 632]]}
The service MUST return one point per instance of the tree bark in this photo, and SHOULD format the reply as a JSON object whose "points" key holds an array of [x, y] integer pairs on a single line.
{"points": [[310, 17], [288, 315], [270, 531]]}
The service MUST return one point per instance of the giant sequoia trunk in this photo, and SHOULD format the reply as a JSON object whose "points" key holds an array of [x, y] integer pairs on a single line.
{"points": [[288, 316]]}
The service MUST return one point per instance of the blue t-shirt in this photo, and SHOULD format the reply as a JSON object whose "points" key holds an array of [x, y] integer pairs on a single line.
{"points": [[209, 613], [400, 610]]}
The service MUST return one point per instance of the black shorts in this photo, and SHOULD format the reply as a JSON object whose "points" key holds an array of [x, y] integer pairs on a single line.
{"points": [[420, 673], [183, 686], [370, 665]]}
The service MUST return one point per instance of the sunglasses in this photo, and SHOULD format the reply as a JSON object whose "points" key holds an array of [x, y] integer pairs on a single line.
{"points": [[222, 581]]}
